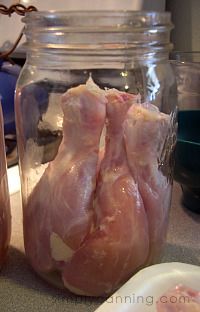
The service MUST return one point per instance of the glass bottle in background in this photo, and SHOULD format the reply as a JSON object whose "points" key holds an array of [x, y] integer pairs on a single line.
{"points": [[5, 214], [96, 126], [187, 153]]}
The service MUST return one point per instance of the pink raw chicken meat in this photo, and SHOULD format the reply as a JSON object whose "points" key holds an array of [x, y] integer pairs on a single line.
{"points": [[145, 131], [98, 222], [179, 299], [119, 243], [61, 202]]}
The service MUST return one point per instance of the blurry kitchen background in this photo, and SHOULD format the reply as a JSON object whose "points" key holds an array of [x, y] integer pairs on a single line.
{"points": [[185, 37]]}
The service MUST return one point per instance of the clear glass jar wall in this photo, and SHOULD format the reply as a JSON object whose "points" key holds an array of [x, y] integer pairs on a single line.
{"points": [[5, 215], [95, 110], [187, 153]]}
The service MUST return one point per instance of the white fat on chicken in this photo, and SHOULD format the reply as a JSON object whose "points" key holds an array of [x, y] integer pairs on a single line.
{"points": [[59, 250]]}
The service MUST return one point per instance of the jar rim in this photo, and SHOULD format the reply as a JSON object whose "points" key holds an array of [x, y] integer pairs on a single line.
{"points": [[184, 57], [99, 12], [153, 18], [98, 32]]}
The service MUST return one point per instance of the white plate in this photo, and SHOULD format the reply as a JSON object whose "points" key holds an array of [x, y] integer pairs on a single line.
{"points": [[142, 291]]}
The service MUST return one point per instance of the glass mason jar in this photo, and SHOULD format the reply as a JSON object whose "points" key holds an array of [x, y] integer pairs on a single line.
{"points": [[95, 110], [5, 215]]}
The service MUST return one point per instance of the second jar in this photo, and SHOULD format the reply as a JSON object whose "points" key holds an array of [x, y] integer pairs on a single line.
{"points": [[95, 113], [5, 213]]}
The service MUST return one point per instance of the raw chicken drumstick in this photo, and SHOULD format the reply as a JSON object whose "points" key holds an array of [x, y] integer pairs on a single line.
{"points": [[119, 243], [60, 207], [145, 131], [97, 222]]}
